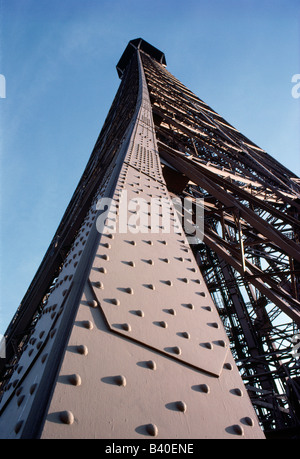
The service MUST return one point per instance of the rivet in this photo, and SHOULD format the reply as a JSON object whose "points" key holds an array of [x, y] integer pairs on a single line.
{"points": [[32, 388], [66, 417], [202, 294], [207, 308], [177, 350], [208, 345], [238, 429], [75, 379], [115, 301], [214, 325], [190, 306], [151, 364], [151, 286], [181, 406], [237, 392], [129, 290], [131, 263], [93, 303], [185, 280], [52, 333], [44, 357], [87, 324], [204, 388], [82, 349], [140, 313], [103, 270], [221, 343], [18, 426], [228, 366], [163, 324], [20, 400], [19, 390], [186, 335], [99, 284], [150, 262], [166, 260], [120, 380], [249, 421], [168, 282], [152, 430], [126, 327], [172, 311]]}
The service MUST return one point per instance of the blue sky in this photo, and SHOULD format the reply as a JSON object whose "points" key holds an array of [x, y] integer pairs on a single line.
{"points": [[59, 57]]}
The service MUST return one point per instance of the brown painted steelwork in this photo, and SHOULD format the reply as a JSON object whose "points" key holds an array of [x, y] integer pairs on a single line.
{"points": [[107, 312]]}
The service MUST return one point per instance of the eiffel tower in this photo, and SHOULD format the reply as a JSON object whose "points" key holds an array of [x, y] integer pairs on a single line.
{"points": [[167, 304]]}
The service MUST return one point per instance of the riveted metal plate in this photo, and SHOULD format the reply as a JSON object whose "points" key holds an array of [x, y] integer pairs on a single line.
{"points": [[77, 379], [144, 274]]}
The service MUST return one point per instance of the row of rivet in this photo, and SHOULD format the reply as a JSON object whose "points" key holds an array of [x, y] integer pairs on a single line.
{"points": [[50, 309], [67, 417], [100, 285], [133, 242], [85, 229], [163, 324], [171, 311], [21, 397]]}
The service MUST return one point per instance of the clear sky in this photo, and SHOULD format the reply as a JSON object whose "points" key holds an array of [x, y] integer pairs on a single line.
{"points": [[58, 58]]}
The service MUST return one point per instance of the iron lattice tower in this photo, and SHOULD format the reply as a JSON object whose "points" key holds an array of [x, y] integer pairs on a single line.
{"points": [[120, 334]]}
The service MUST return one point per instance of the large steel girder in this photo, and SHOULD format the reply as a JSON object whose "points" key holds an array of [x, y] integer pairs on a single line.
{"points": [[123, 325]]}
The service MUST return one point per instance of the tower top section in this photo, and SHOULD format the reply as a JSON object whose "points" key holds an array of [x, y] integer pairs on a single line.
{"points": [[139, 43]]}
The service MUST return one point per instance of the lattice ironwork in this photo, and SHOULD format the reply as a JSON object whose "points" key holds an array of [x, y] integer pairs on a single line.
{"points": [[250, 254]]}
